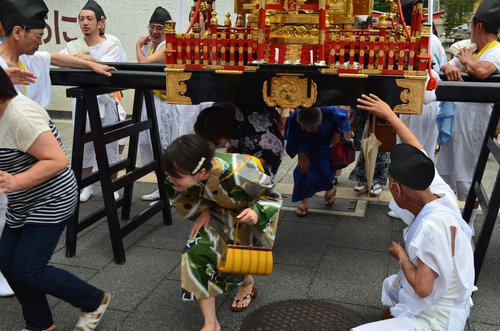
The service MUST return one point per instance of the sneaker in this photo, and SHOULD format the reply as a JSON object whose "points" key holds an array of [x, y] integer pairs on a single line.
{"points": [[392, 214], [86, 194], [152, 196], [89, 321]]}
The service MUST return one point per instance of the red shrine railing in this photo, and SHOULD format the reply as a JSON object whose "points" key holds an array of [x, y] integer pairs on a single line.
{"points": [[350, 51]]}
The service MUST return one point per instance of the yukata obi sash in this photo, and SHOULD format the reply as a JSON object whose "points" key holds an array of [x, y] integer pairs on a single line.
{"points": [[420, 304]]}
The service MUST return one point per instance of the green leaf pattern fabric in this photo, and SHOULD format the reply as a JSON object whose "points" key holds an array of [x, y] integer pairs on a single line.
{"points": [[235, 183]]}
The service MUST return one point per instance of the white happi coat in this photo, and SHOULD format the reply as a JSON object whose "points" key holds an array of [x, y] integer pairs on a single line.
{"points": [[173, 120], [424, 126], [458, 156], [162, 119], [109, 107], [115, 40], [188, 115], [448, 306], [41, 90]]}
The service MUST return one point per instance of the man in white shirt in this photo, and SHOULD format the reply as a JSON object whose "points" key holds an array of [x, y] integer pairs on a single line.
{"points": [[123, 57], [458, 156], [102, 33], [432, 290], [19, 49], [424, 126], [92, 47], [151, 49]]}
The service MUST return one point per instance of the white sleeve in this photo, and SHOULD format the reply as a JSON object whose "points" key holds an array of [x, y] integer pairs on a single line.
{"points": [[112, 55], [493, 56], [456, 63], [432, 245], [438, 53]]}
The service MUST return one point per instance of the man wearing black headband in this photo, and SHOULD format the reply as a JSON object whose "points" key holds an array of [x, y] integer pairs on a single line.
{"points": [[432, 290], [424, 126], [151, 49], [93, 48], [458, 156], [24, 25]]}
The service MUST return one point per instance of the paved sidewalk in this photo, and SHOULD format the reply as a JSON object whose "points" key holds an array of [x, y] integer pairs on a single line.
{"points": [[337, 256]]}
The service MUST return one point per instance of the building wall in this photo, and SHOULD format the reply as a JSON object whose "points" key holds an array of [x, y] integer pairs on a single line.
{"points": [[126, 19]]}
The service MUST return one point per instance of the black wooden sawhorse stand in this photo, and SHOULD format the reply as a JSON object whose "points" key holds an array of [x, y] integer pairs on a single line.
{"points": [[100, 136], [489, 205]]}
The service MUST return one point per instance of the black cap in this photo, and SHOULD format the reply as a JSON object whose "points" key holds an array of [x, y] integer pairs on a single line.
{"points": [[411, 167], [29, 14], [102, 11], [160, 16], [94, 6], [488, 13]]}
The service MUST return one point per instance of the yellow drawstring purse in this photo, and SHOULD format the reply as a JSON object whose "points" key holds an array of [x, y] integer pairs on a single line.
{"points": [[246, 260]]}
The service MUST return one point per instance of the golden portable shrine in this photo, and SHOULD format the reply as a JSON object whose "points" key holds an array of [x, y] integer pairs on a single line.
{"points": [[299, 53]]}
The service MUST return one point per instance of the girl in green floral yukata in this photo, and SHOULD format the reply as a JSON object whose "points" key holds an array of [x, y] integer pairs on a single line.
{"points": [[215, 191]]}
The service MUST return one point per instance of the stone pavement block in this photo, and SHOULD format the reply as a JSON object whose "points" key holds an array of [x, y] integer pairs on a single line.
{"points": [[338, 258]]}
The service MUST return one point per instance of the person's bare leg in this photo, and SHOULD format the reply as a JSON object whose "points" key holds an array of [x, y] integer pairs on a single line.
{"points": [[282, 126], [245, 288], [302, 208], [330, 196], [207, 307]]}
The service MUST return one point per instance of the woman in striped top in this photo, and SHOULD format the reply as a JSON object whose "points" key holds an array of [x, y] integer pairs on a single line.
{"points": [[42, 195]]}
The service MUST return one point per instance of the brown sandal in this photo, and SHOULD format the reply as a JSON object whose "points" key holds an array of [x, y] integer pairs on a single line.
{"points": [[301, 212], [249, 296]]}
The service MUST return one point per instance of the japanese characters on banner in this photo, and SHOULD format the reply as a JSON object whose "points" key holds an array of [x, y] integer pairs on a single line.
{"points": [[60, 29], [126, 19]]}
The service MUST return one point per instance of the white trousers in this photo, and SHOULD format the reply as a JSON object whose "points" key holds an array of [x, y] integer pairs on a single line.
{"points": [[109, 113]]}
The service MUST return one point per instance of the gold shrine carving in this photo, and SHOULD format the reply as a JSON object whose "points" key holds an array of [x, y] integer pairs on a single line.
{"points": [[412, 95], [176, 88], [289, 92]]}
